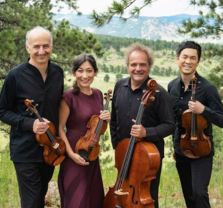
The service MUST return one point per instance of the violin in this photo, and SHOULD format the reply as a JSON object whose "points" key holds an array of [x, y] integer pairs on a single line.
{"points": [[88, 146], [194, 143], [137, 163], [54, 147]]}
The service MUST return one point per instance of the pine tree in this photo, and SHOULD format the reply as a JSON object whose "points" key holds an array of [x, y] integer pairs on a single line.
{"points": [[17, 17], [118, 8], [106, 78], [209, 25], [118, 76]]}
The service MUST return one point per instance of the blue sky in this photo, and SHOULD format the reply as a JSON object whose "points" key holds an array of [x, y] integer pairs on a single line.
{"points": [[158, 7]]}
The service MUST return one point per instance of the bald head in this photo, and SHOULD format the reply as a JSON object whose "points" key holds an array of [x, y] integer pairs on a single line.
{"points": [[38, 31]]}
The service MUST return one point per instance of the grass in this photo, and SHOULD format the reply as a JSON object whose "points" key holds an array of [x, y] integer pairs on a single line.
{"points": [[170, 194], [170, 190]]}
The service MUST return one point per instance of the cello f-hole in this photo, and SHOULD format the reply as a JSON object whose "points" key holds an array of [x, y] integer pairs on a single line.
{"points": [[133, 194]]}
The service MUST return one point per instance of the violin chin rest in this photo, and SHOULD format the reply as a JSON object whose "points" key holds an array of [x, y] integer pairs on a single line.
{"points": [[58, 160], [84, 154]]}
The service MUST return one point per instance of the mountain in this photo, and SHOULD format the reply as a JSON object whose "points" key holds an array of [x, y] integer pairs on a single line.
{"points": [[152, 28]]}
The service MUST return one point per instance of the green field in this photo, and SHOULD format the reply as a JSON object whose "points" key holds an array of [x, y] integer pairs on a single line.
{"points": [[170, 191]]}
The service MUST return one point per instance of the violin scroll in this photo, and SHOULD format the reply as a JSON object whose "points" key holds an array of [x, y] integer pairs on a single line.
{"points": [[108, 95]]}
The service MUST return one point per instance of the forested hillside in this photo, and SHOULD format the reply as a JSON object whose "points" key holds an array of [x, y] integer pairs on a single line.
{"points": [[156, 45]]}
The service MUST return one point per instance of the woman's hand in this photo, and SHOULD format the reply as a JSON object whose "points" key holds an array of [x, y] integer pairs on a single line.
{"points": [[78, 159], [105, 115]]}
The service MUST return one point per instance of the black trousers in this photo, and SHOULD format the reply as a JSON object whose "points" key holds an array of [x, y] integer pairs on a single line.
{"points": [[195, 176], [154, 189], [33, 179]]}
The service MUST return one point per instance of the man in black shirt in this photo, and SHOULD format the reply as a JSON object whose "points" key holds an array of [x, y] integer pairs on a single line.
{"points": [[194, 173], [42, 81], [158, 119]]}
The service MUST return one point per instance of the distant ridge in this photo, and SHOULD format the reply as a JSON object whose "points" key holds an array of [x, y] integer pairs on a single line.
{"points": [[151, 28]]}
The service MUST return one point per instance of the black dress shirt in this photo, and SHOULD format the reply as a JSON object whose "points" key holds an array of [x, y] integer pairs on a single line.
{"points": [[158, 118], [26, 82], [206, 94]]}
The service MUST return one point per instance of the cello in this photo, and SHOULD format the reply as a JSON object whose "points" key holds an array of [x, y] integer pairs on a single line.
{"points": [[88, 146], [194, 143], [54, 147], [137, 163]]}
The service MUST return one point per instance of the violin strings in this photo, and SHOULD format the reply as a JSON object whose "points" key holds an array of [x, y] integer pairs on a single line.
{"points": [[48, 132]]}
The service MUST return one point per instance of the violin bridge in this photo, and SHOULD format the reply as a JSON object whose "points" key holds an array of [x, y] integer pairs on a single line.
{"points": [[119, 192], [193, 138], [56, 145]]}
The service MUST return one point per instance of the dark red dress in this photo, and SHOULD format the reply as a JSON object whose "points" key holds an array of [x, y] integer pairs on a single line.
{"points": [[80, 186]]}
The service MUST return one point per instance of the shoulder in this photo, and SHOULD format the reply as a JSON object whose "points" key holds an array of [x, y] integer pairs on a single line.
{"points": [[14, 73], [208, 87], [161, 92], [122, 81], [174, 81], [97, 92], [68, 92], [205, 82], [56, 67], [161, 88]]}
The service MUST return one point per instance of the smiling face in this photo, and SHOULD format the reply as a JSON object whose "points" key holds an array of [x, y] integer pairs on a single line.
{"points": [[188, 61], [39, 47], [84, 75], [138, 67]]}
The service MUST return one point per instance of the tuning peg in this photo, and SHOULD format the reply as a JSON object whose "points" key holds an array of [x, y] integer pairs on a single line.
{"points": [[32, 101], [31, 113], [144, 91], [111, 99], [36, 105], [27, 109], [152, 98], [157, 91], [105, 93], [105, 97]]}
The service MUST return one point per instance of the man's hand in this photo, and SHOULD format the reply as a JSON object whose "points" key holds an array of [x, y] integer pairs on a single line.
{"points": [[196, 107], [40, 127], [138, 131]]}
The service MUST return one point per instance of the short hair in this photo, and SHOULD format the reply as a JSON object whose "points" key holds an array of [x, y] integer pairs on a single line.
{"points": [[189, 44], [140, 47], [38, 28], [78, 61]]}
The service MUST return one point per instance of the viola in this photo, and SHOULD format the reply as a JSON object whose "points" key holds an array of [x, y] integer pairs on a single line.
{"points": [[54, 147], [88, 146], [137, 163], [194, 143]]}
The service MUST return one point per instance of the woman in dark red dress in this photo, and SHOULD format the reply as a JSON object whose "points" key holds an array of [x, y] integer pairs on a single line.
{"points": [[80, 182]]}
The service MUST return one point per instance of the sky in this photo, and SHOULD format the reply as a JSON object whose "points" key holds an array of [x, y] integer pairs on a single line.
{"points": [[158, 8]]}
